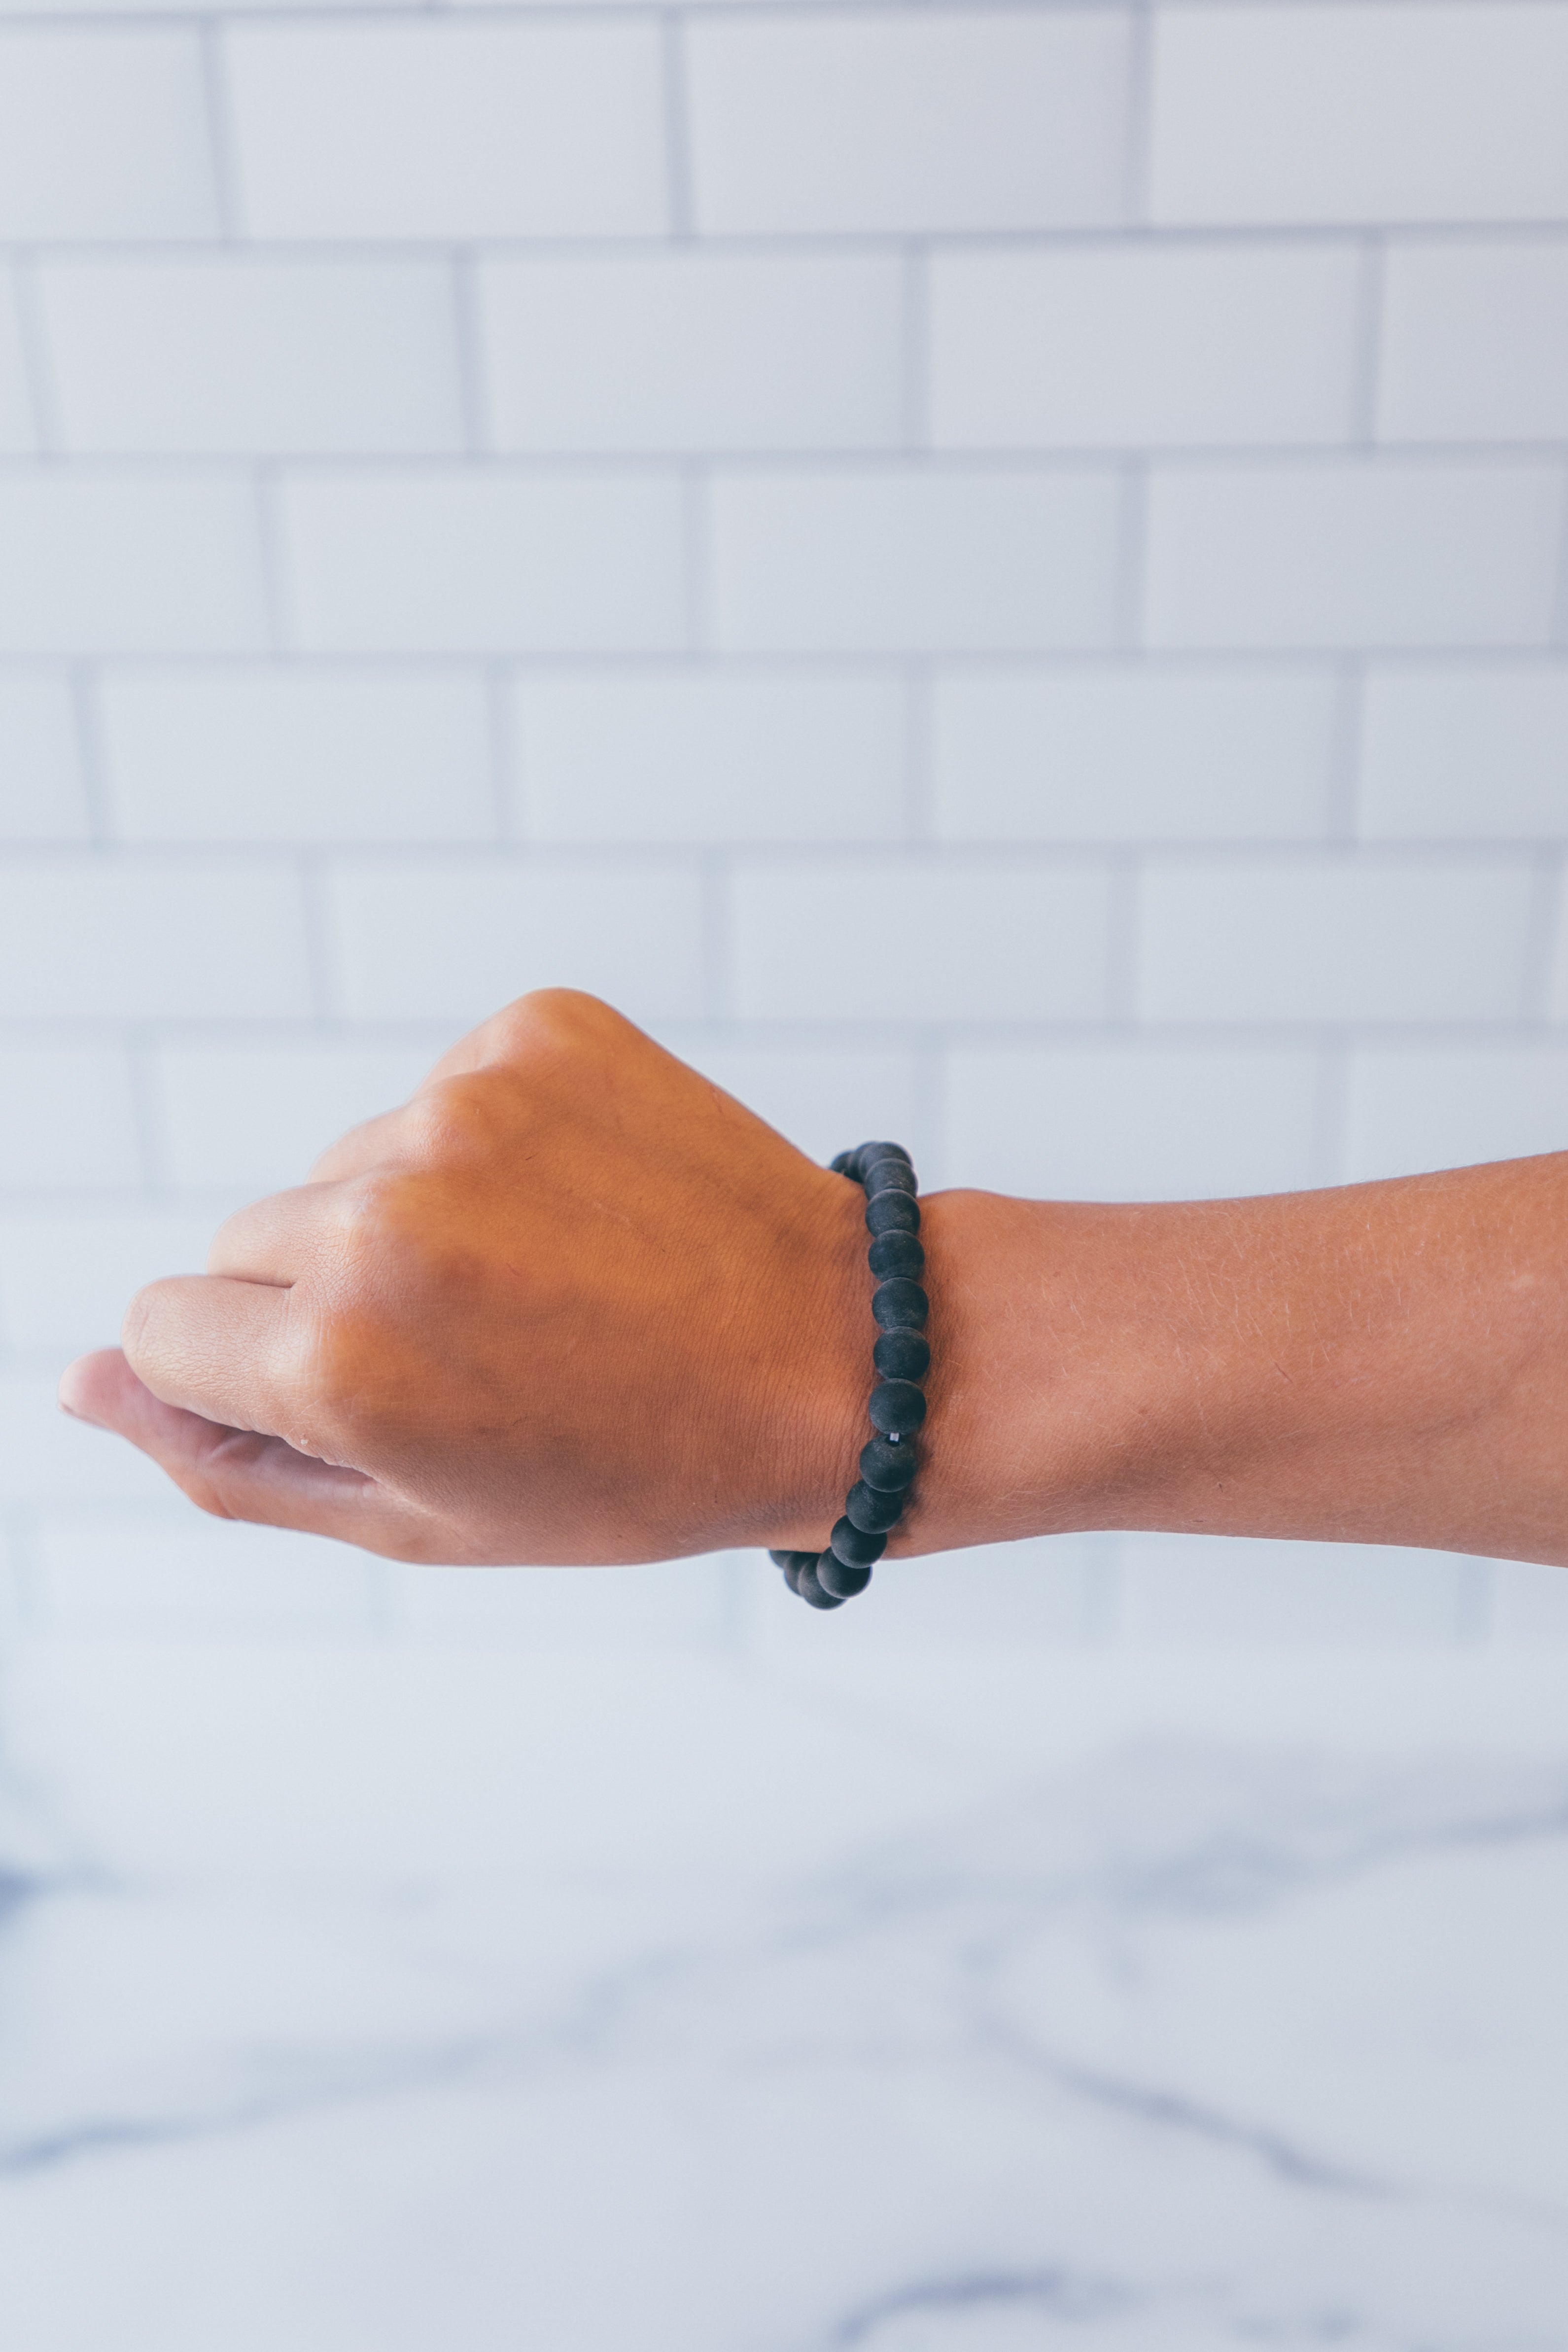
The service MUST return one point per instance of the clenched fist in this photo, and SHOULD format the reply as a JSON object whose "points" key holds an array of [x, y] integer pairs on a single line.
{"points": [[573, 1303]]}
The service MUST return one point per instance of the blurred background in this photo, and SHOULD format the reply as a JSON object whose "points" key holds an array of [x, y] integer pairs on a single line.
{"points": [[616, 496], [628, 495]]}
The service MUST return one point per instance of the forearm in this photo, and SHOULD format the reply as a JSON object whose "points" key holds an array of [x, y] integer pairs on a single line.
{"points": [[1383, 1363]]}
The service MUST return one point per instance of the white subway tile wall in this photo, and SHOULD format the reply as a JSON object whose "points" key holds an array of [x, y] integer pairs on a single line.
{"points": [[669, 498]]}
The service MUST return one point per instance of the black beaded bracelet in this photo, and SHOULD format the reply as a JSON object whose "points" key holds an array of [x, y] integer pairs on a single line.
{"points": [[902, 1357]]}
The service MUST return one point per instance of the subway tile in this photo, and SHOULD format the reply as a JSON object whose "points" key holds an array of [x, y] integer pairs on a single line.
{"points": [[1137, 1122], [1474, 343], [439, 562], [1344, 554], [694, 352], [255, 1118], [944, 119], [302, 754], [1470, 752], [70, 1118], [67, 1281], [237, 355], [147, 941], [93, 564], [103, 133], [824, 1098], [157, 1570], [1243, 1593], [455, 129], [1132, 753], [1328, 940], [18, 431], [1146, 345], [1412, 1107], [41, 790], [712, 754], [456, 941], [908, 560], [1000, 941], [1359, 112]]}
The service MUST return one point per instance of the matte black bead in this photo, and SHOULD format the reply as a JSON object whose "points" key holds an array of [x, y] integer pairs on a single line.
{"points": [[891, 1213], [810, 1589], [892, 1253], [902, 1354], [844, 1165], [839, 1578], [886, 1174], [891, 1467], [866, 1155], [900, 1307], [896, 1404], [853, 1546], [870, 1508], [790, 1563]]}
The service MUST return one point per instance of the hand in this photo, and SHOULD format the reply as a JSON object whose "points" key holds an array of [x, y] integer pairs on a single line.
{"points": [[573, 1303]]}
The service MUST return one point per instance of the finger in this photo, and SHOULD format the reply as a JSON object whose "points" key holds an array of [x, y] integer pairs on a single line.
{"points": [[235, 1474], [228, 1350], [268, 1241], [364, 1147]]}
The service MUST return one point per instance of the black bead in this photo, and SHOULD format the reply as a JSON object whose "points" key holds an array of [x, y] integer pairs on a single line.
{"points": [[900, 1307], [896, 1405], [870, 1508], [844, 1165], [892, 1253], [886, 1174], [902, 1354], [853, 1546], [810, 1589], [790, 1563], [891, 1213], [866, 1155], [837, 1576], [891, 1467]]}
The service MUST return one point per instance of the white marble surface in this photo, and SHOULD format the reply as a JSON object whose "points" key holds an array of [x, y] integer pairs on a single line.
{"points": [[360, 2001]]}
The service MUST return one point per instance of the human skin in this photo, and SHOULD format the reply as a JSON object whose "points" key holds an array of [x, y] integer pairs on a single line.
{"points": [[573, 1303]]}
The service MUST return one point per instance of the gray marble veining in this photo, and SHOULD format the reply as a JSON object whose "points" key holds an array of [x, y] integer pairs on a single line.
{"points": [[411, 2001]]}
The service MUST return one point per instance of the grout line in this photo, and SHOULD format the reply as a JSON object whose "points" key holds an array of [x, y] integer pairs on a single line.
{"points": [[717, 960], [221, 142], [1331, 1106], [468, 328], [320, 947], [919, 774], [37, 360], [1137, 152], [1557, 626], [697, 545], [1122, 939], [1129, 583], [928, 1082], [276, 599], [148, 1119], [509, 775], [1542, 937], [1367, 361], [677, 127], [914, 354], [87, 727], [1342, 808]]}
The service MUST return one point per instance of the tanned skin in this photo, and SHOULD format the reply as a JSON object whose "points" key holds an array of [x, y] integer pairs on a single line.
{"points": [[573, 1303]]}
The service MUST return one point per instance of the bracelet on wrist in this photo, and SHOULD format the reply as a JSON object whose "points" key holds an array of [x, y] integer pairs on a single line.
{"points": [[902, 1356]]}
